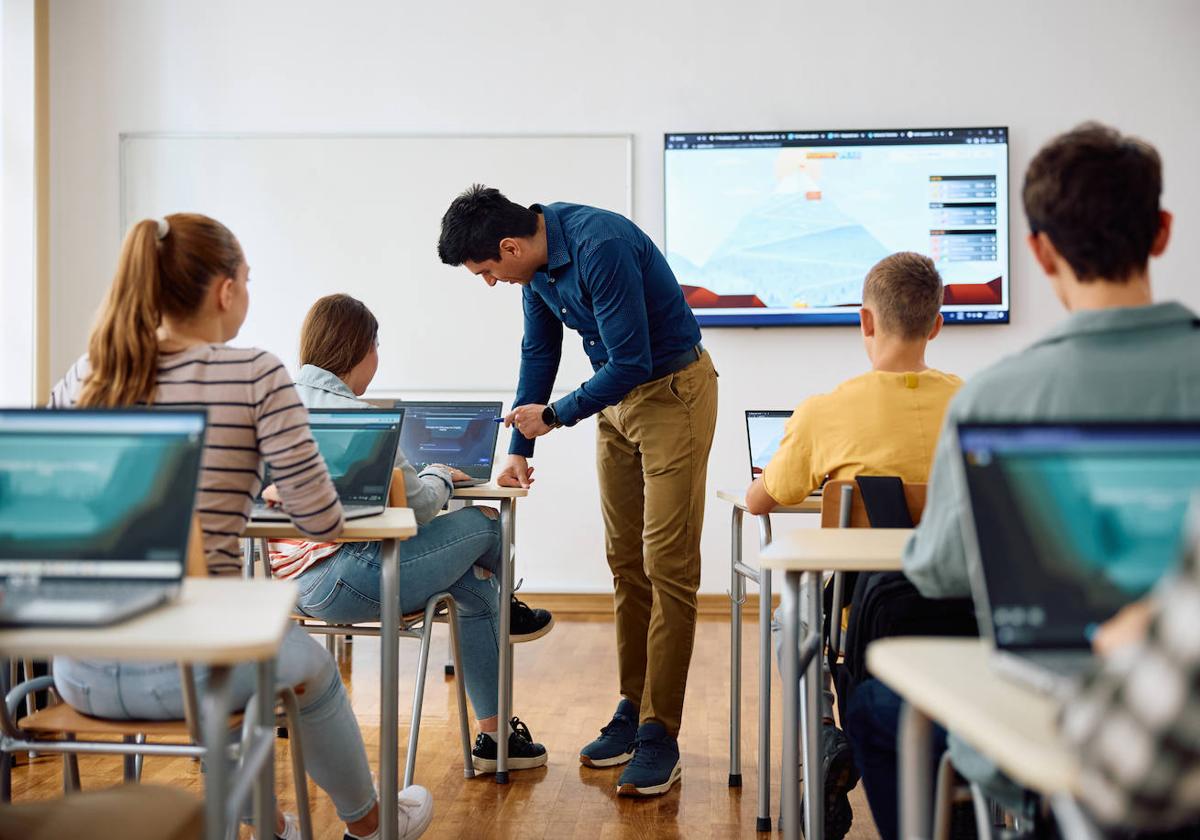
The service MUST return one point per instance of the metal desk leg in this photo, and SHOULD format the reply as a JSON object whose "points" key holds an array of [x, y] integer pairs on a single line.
{"points": [[915, 778], [790, 804], [215, 727], [737, 596], [814, 784], [264, 785], [504, 701], [763, 823], [389, 683]]}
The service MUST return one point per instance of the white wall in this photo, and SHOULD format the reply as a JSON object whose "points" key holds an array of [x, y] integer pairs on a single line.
{"points": [[476, 66], [17, 202]]}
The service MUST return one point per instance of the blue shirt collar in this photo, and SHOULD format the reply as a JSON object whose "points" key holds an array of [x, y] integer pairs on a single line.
{"points": [[323, 380], [1118, 319], [556, 246]]}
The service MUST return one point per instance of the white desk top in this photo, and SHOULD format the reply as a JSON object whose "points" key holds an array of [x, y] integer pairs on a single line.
{"points": [[837, 550], [737, 498], [392, 524], [489, 491], [952, 682], [216, 621]]}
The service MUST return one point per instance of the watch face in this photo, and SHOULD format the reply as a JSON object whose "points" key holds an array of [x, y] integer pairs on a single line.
{"points": [[548, 416]]}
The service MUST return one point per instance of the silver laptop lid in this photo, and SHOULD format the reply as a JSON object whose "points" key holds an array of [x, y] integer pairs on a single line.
{"points": [[98, 494], [764, 432], [359, 446], [1071, 521], [457, 434]]}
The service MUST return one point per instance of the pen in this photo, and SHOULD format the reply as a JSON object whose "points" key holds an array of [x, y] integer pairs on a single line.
{"points": [[497, 419]]}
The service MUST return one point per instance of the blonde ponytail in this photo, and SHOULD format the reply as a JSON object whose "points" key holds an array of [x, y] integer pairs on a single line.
{"points": [[166, 268], [123, 347]]}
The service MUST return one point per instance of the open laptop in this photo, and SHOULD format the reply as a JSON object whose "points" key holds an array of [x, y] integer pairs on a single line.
{"points": [[359, 446], [458, 434], [95, 512], [1069, 523], [764, 431]]}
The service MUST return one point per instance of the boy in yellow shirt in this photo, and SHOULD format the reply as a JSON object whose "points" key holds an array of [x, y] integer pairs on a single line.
{"points": [[883, 422]]}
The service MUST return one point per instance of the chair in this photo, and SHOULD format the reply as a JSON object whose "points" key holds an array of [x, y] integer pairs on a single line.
{"points": [[57, 727], [439, 609]]}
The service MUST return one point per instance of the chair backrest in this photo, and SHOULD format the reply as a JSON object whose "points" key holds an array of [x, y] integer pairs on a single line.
{"points": [[831, 504], [197, 564], [397, 495]]}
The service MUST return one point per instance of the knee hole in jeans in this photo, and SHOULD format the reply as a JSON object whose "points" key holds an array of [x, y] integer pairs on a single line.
{"points": [[490, 513]]}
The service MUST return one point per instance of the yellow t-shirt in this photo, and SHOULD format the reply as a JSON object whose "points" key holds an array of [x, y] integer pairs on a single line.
{"points": [[879, 423]]}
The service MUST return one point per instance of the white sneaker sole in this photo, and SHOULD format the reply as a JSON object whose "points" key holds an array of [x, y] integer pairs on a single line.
{"points": [[488, 765], [600, 763], [529, 637], [653, 790]]}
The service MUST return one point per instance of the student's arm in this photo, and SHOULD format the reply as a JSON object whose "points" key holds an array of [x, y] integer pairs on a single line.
{"points": [[935, 559], [792, 472], [1134, 723], [427, 493], [541, 350], [286, 444], [66, 390], [613, 276]]}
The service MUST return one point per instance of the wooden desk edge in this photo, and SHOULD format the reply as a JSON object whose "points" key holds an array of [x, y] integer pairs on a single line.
{"points": [[737, 498]]}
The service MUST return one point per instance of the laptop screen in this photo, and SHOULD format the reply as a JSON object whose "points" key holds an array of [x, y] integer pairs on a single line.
{"points": [[764, 429], [97, 494], [359, 447], [1074, 521], [457, 434]]}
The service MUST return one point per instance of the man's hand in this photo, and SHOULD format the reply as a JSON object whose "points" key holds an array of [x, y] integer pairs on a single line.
{"points": [[1127, 627], [528, 420], [516, 473], [270, 495]]}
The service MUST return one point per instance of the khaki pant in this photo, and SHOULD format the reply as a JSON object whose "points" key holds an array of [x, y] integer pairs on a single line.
{"points": [[652, 457]]}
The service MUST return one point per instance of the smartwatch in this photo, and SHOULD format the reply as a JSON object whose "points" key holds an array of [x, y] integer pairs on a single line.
{"points": [[550, 416]]}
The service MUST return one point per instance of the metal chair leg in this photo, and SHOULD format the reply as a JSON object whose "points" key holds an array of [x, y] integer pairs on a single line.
{"points": [[139, 759], [464, 724], [129, 767], [414, 728], [70, 768], [291, 711], [6, 764]]}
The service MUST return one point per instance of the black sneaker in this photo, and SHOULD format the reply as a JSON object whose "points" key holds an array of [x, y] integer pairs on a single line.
{"points": [[841, 775], [526, 624], [523, 753]]}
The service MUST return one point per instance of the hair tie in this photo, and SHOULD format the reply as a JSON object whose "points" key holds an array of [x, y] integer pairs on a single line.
{"points": [[164, 227]]}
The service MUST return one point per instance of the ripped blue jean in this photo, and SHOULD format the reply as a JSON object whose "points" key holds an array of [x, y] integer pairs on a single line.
{"points": [[334, 755], [442, 557]]}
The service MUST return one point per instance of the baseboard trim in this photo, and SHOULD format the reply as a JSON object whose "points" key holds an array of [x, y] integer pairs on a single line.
{"points": [[595, 606]]}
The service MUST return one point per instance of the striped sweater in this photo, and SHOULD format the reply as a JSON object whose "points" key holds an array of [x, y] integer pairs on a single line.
{"points": [[254, 415]]}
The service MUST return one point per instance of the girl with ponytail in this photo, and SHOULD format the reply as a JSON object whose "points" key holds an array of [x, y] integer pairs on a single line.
{"points": [[178, 295]]}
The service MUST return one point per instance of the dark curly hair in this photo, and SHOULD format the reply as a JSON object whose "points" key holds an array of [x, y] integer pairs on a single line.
{"points": [[476, 222]]}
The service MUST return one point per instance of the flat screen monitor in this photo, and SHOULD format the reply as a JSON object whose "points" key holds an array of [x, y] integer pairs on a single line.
{"points": [[779, 228]]}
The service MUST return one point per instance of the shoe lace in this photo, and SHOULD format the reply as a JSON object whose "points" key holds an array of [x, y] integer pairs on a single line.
{"points": [[645, 753], [521, 730], [517, 604], [614, 724]]}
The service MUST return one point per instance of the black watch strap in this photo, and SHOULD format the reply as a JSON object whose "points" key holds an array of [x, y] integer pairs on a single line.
{"points": [[550, 416]]}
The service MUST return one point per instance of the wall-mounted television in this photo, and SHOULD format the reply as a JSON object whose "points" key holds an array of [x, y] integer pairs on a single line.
{"points": [[779, 228]]}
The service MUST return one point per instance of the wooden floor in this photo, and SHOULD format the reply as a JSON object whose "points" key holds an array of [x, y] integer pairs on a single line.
{"points": [[565, 691]]}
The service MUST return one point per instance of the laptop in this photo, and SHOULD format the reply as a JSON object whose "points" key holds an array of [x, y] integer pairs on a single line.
{"points": [[95, 512], [359, 446], [458, 434], [1068, 523], [764, 431]]}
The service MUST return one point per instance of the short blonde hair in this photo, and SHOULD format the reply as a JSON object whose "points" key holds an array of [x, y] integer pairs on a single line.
{"points": [[905, 293]]}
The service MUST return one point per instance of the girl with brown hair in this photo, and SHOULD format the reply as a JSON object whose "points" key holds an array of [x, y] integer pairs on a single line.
{"points": [[179, 294]]}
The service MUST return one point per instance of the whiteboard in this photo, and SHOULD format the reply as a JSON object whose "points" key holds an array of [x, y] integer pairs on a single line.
{"points": [[318, 214]]}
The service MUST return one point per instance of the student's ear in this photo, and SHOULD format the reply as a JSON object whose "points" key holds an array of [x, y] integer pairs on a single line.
{"points": [[937, 327], [1044, 252], [1165, 220], [225, 289], [867, 322]]}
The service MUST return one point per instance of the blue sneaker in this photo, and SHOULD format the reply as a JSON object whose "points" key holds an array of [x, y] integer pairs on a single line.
{"points": [[655, 766], [615, 744]]}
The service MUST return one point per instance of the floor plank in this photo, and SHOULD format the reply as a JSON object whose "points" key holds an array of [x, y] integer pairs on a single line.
{"points": [[565, 691]]}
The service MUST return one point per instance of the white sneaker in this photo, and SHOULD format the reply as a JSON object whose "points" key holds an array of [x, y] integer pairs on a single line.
{"points": [[291, 829], [415, 814]]}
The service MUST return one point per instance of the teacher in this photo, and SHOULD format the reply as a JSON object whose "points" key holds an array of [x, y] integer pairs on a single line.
{"points": [[654, 392]]}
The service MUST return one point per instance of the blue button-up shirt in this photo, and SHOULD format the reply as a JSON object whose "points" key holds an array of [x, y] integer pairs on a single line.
{"points": [[606, 280]]}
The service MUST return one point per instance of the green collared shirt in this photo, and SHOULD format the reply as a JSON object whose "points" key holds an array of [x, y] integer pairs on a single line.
{"points": [[1133, 363]]}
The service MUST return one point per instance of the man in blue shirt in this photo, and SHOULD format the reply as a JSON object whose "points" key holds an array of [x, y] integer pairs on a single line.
{"points": [[654, 394]]}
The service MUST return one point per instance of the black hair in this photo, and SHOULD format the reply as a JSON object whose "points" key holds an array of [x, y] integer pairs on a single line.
{"points": [[476, 222], [1095, 193]]}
